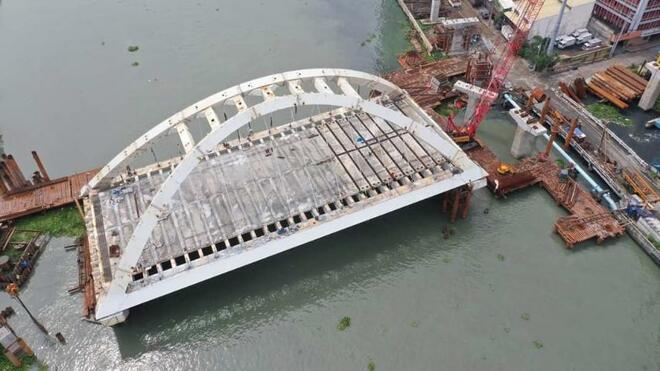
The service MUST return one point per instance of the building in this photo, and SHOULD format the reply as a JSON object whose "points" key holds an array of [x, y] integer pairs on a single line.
{"points": [[632, 19], [576, 15]]}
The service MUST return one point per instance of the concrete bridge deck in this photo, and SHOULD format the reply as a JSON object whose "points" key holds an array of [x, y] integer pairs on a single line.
{"points": [[254, 197]]}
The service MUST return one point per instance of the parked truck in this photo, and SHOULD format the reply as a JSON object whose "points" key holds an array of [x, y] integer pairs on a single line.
{"points": [[583, 38], [592, 44], [566, 42]]}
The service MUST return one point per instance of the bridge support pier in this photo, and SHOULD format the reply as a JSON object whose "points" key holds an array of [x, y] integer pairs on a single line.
{"points": [[526, 134], [457, 202], [115, 319]]}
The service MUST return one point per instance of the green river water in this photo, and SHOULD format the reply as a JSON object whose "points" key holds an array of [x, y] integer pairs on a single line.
{"points": [[501, 293]]}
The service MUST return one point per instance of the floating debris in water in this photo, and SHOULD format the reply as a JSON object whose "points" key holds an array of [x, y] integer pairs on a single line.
{"points": [[133, 48], [507, 329], [135, 64], [371, 366], [344, 323], [414, 324], [538, 344], [525, 316], [446, 259], [500, 257], [369, 39]]}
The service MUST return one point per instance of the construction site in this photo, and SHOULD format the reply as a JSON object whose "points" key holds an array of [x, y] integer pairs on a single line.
{"points": [[630, 200], [250, 189]]}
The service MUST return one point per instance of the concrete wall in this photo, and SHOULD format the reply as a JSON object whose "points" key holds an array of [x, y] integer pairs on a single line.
{"points": [[575, 18]]}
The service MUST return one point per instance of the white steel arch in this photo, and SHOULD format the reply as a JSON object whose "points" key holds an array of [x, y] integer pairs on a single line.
{"points": [[344, 78], [116, 299]]}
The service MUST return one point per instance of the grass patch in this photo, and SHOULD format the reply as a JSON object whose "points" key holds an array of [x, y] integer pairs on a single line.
{"points": [[344, 323], [446, 109], [27, 363], [133, 48], [607, 112], [57, 223], [561, 163], [434, 56], [371, 366]]}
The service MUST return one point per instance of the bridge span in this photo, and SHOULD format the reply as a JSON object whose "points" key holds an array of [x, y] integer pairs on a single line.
{"points": [[262, 167]]}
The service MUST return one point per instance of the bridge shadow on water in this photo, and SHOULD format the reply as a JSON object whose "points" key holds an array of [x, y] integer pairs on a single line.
{"points": [[225, 306]]}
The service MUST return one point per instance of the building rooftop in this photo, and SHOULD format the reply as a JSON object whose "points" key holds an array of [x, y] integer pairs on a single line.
{"points": [[550, 8]]}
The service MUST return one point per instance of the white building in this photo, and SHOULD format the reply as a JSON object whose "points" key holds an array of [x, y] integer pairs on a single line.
{"points": [[576, 15]]}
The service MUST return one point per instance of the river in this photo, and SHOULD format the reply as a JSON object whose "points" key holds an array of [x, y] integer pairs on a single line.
{"points": [[501, 293]]}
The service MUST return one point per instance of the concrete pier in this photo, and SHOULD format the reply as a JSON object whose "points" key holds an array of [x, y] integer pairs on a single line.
{"points": [[650, 95], [526, 134], [435, 10]]}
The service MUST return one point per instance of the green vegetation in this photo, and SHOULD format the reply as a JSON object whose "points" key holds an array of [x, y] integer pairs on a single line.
{"points": [[446, 259], [446, 109], [500, 257], [28, 363], [538, 344], [525, 316], [607, 112], [656, 106], [135, 64], [133, 48], [534, 51], [434, 56], [425, 26], [561, 163], [653, 241], [57, 223], [371, 366], [344, 323]]}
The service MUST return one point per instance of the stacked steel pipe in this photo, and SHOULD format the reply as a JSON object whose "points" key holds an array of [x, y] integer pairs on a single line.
{"points": [[12, 178]]}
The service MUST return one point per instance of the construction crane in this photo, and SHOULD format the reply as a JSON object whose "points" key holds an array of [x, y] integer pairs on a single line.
{"points": [[527, 12]]}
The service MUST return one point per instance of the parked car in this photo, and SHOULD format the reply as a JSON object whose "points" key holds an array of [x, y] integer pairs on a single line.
{"points": [[579, 32], [583, 38], [566, 42], [592, 44]]}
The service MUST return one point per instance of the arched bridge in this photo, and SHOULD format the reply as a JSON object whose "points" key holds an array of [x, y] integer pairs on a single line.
{"points": [[255, 170]]}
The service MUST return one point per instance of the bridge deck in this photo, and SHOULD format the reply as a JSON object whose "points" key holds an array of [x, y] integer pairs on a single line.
{"points": [[265, 188]]}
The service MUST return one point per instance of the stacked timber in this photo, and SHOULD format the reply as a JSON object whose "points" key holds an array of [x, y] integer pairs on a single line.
{"points": [[617, 84]]}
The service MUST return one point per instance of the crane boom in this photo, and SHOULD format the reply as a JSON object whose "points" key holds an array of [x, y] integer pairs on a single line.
{"points": [[528, 11]]}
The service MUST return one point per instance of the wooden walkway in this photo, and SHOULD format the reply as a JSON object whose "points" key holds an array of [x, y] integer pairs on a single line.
{"points": [[588, 219], [40, 197]]}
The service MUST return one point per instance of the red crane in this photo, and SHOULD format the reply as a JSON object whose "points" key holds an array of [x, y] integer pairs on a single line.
{"points": [[527, 11]]}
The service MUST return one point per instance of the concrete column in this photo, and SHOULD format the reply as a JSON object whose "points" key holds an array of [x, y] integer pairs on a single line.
{"points": [[652, 90], [526, 134], [435, 9]]}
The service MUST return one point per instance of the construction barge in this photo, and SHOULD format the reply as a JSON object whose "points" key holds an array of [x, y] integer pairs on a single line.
{"points": [[21, 196], [588, 219]]}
